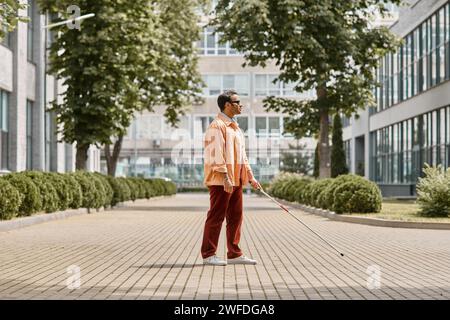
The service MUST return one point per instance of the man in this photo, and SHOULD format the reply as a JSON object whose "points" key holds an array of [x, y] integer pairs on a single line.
{"points": [[226, 171]]}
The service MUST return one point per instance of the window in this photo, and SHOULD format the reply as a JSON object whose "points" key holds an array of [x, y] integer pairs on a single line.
{"points": [[202, 123], [29, 134], [30, 32], [261, 126], [216, 84], [209, 44], [6, 41], [399, 151], [4, 135], [49, 141], [243, 123], [264, 86], [422, 61], [274, 126]]}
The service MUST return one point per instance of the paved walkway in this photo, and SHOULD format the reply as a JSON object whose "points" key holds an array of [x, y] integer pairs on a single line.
{"points": [[151, 250]]}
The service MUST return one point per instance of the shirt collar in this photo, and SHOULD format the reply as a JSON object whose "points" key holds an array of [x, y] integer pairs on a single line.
{"points": [[227, 119]]}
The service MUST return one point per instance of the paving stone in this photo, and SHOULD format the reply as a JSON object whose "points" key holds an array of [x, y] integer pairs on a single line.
{"points": [[151, 250]]}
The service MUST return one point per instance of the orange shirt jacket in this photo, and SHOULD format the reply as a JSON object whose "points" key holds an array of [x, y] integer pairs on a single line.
{"points": [[225, 153]]}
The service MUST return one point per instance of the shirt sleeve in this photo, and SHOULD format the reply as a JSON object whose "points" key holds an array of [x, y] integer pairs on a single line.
{"points": [[215, 149]]}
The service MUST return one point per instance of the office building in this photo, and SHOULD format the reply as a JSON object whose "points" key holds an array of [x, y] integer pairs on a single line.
{"points": [[410, 124], [28, 132]]}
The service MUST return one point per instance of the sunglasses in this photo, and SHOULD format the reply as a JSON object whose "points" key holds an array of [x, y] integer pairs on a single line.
{"points": [[237, 101]]}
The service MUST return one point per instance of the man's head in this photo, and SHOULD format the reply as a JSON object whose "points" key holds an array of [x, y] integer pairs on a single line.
{"points": [[229, 103]]}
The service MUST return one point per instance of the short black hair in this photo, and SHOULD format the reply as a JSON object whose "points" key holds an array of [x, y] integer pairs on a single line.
{"points": [[224, 98]]}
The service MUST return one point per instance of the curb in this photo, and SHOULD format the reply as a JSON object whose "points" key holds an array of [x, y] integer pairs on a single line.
{"points": [[368, 221], [23, 222]]}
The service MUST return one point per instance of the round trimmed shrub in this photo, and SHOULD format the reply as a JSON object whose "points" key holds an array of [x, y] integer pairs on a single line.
{"points": [[140, 187], [278, 187], [126, 191], [117, 189], [62, 189], [325, 199], [31, 202], [302, 189], [100, 197], [149, 189], [109, 192], [75, 189], [10, 200], [88, 189], [357, 195], [48, 193], [134, 189], [315, 189]]}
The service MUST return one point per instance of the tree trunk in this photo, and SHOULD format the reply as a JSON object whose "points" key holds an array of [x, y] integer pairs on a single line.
{"points": [[81, 157], [111, 159], [324, 140]]}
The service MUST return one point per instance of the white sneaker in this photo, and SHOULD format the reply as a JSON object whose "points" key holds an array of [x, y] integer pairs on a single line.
{"points": [[241, 260], [214, 261]]}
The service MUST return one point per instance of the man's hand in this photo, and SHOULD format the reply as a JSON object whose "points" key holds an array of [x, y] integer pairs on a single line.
{"points": [[227, 186], [255, 184]]}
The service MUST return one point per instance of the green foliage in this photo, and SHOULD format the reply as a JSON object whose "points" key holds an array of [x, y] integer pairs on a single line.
{"points": [[10, 200], [357, 195], [134, 189], [49, 195], [316, 162], [325, 199], [140, 187], [28, 192], [338, 161], [100, 195], [346, 193], [31, 202], [75, 189], [88, 188], [433, 192], [118, 190], [126, 190], [336, 56], [133, 55], [9, 16], [109, 192], [315, 190], [296, 160], [63, 190]]}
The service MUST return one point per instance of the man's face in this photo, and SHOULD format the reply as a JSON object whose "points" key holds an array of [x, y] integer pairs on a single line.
{"points": [[235, 105]]}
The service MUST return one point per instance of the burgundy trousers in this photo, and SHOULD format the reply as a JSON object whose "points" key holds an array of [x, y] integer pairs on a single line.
{"points": [[223, 205]]}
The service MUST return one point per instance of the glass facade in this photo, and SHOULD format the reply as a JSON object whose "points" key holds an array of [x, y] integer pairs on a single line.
{"points": [[30, 32], [399, 151], [4, 130], [29, 134], [422, 61]]}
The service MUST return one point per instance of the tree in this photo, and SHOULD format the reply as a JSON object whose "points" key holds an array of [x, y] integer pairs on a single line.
{"points": [[325, 45], [296, 160], [9, 16], [121, 61], [316, 162], [338, 163]]}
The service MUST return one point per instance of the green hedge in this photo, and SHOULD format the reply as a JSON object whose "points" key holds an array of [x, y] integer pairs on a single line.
{"points": [[29, 192], [346, 193]]}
